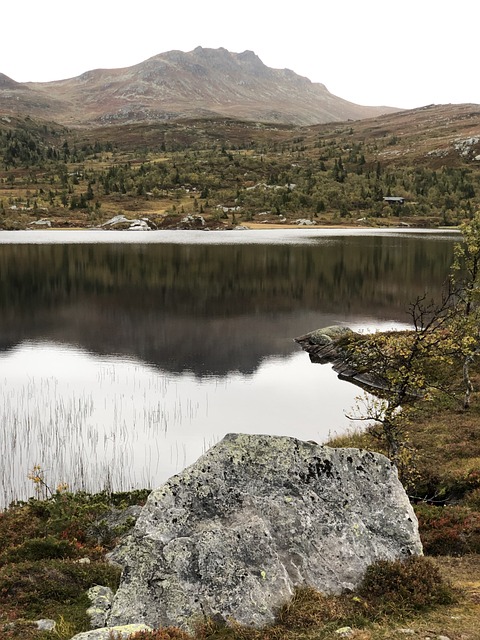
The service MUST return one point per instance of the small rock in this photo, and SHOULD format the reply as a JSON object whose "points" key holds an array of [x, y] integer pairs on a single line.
{"points": [[344, 631], [45, 624], [139, 225], [106, 633], [83, 561], [408, 632], [304, 222], [443, 638], [194, 220], [115, 220]]}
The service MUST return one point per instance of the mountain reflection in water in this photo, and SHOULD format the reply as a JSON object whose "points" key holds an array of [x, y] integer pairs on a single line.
{"points": [[200, 335]]}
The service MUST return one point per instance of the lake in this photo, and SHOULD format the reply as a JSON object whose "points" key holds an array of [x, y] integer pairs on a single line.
{"points": [[124, 356]]}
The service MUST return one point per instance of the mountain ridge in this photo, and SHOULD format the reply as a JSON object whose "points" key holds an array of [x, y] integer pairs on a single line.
{"points": [[175, 85]]}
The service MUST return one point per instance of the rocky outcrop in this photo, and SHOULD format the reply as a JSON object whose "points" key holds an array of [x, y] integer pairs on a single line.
{"points": [[331, 345], [254, 517], [120, 222]]}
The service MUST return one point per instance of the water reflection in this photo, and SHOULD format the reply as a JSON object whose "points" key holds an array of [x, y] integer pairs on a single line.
{"points": [[104, 422], [210, 309], [122, 362]]}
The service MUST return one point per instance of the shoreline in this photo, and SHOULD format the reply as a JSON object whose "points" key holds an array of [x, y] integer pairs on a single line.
{"points": [[259, 226]]}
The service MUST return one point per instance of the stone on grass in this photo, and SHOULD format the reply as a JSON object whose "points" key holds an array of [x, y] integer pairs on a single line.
{"points": [[256, 516], [45, 624], [107, 633]]}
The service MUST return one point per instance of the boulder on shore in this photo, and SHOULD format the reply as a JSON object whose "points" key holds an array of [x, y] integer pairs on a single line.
{"points": [[254, 517]]}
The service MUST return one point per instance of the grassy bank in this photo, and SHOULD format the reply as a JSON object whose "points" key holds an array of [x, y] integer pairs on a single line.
{"points": [[45, 544]]}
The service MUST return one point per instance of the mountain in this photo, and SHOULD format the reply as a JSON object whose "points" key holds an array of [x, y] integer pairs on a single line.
{"points": [[174, 85]]}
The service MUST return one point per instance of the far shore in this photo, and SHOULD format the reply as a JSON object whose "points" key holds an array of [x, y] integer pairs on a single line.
{"points": [[259, 226]]}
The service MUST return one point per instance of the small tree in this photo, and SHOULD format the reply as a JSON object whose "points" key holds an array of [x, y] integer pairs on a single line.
{"points": [[435, 356], [466, 281], [403, 366]]}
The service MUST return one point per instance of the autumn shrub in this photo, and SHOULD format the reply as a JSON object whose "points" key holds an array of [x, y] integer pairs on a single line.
{"points": [[75, 516], [217, 630], [309, 608], [17, 524], [400, 587], [472, 499], [450, 530]]}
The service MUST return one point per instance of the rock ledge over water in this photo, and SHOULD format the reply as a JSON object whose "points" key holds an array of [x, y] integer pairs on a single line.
{"points": [[330, 345]]}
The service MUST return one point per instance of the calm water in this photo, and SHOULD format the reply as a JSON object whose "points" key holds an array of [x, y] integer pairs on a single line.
{"points": [[124, 356]]}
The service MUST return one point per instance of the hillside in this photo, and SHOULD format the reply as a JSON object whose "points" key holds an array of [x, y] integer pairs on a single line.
{"points": [[175, 85], [234, 172]]}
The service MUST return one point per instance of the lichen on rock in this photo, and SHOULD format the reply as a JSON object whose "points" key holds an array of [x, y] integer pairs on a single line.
{"points": [[253, 518]]}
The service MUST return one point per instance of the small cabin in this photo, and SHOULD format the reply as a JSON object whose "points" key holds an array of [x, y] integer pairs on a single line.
{"points": [[393, 200]]}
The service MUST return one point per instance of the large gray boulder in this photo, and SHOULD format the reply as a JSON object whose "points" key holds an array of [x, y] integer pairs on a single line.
{"points": [[254, 517]]}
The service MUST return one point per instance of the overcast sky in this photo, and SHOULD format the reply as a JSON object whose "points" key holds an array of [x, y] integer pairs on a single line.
{"points": [[402, 53]]}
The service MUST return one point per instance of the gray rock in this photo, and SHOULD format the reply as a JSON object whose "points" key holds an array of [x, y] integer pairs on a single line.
{"points": [[324, 336], [139, 225], [120, 219], [43, 222], [122, 222], [107, 633], [45, 624], [101, 599], [328, 345], [194, 220], [255, 516], [305, 222]]}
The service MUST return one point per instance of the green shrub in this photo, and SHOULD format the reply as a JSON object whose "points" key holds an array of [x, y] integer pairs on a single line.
{"points": [[449, 531], [39, 549], [35, 589]]}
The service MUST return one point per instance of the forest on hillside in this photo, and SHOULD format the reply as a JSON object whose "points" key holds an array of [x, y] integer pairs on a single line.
{"points": [[232, 172]]}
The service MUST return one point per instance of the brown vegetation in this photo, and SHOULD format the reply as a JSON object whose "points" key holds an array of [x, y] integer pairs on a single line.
{"points": [[232, 172]]}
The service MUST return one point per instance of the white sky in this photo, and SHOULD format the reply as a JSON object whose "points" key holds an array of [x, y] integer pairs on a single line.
{"points": [[403, 53]]}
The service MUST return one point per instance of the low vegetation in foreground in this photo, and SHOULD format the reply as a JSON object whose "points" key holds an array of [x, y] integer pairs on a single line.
{"points": [[45, 543]]}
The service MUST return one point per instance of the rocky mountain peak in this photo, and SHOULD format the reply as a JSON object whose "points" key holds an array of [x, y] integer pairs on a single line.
{"points": [[173, 85]]}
